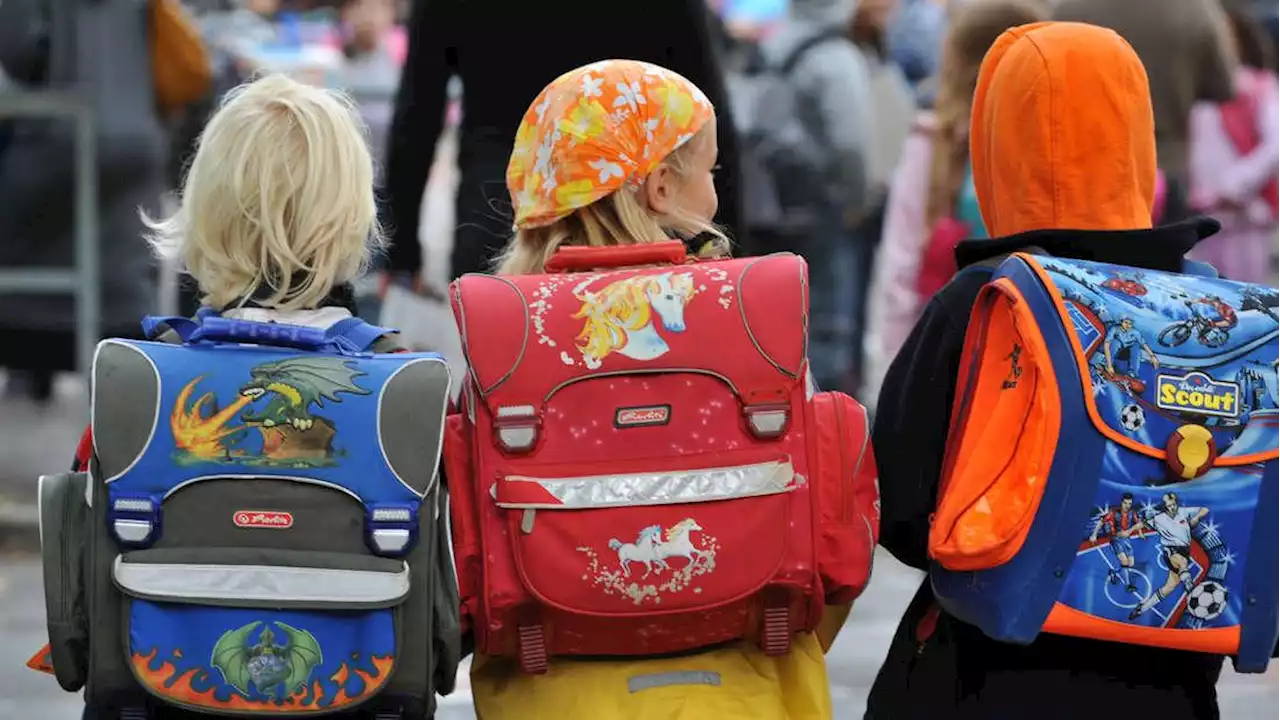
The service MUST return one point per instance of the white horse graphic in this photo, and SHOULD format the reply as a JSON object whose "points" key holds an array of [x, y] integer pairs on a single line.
{"points": [[619, 318], [642, 551], [678, 544]]}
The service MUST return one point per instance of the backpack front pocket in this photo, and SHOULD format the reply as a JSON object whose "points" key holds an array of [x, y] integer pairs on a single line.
{"points": [[645, 542], [261, 632]]}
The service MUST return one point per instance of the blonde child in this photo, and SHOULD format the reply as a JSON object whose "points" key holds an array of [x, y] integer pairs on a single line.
{"points": [[277, 214], [277, 218], [617, 153]]}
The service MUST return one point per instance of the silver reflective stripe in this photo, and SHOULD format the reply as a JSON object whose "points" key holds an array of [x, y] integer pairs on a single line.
{"points": [[638, 683], [260, 583], [660, 488]]}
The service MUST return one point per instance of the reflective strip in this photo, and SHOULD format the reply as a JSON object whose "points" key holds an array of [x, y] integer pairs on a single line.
{"points": [[260, 583], [672, 487], [639, 683]]}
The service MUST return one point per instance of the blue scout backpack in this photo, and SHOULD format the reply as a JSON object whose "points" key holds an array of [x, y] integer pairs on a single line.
{"points": [[1111, 466], [260, 533]]}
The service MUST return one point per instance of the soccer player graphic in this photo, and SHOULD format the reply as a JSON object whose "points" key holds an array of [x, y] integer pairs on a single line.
{"points": [[1173, 523], [1119, 524], [1125, 347]]}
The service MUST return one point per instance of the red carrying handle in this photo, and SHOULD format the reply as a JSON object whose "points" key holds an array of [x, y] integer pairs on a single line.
{"points": [[568, 259]]}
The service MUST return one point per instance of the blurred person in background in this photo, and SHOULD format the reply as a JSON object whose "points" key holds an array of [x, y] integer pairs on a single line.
{"points": [[490, 50], [102, 49], [371, 73], [1234, 147], [1185, 46], [895, 106], [915, 41], [806, 114], [932, 204]]}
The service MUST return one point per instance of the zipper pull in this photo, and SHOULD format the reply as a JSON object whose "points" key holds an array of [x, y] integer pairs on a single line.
{"points": [[526, 522]]}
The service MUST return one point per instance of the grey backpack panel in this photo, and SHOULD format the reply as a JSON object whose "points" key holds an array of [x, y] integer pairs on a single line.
{"points": [[411, 417], [126, 390]]}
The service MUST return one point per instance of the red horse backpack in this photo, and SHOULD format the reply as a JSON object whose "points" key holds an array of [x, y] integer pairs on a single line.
{"points": [[639, 464]]}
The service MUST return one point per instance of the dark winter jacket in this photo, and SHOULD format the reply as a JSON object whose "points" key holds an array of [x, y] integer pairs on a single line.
{"points": [[1038, 165]]}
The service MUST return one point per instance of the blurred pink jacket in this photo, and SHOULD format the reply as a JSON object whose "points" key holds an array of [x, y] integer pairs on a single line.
{"points": [[1227, 185], [893, 305]]}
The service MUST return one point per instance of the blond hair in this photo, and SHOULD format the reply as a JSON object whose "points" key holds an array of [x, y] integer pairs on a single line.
{"points": [[279, 197], [617, 219]]}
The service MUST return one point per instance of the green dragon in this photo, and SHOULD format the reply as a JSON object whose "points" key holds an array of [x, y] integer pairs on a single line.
{"points": [[275, 670], [296, 384]]}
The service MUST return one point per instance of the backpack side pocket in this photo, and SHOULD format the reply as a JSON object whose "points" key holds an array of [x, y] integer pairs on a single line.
{"points": [[64, 525]]}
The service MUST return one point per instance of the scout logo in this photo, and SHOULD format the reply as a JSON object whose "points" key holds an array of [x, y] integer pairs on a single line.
{"points": [[642, 416], [273, 519], [1199, 394]]}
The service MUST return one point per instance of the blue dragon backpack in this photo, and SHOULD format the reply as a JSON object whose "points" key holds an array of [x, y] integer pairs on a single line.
{"points": [[261, 532], [1111, 466]]}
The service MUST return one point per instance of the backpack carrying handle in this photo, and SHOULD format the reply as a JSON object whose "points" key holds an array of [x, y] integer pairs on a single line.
{"points": [[351, 335], [569, 259]]}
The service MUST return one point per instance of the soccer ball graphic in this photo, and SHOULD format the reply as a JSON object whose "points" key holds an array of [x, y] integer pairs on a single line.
{"points": [[1132, 417], [1207, 600]]}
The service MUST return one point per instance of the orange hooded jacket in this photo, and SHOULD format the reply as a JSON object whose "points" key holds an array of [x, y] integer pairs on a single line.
{"points": [[1062, 134]]}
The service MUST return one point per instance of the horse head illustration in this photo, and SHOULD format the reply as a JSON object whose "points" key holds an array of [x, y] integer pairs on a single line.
{"points": [[619, 318]]}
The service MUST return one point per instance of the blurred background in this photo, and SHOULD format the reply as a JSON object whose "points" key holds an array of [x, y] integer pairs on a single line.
{"points": [[866, 174]]}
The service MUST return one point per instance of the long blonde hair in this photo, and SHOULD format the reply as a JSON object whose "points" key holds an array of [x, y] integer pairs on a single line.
{"points": [[279, 196], [617, 219], [974, 28]]}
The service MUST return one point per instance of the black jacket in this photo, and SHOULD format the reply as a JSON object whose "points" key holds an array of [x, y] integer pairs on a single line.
{"points": [[505, 55], [946, 669]]}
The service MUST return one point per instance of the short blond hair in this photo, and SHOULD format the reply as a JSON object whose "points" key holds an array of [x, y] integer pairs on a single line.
{"points": [[279, 197], [620, 218]]}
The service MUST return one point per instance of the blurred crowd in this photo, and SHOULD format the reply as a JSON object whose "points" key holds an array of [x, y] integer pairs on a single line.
{"points": [[851, 141]]}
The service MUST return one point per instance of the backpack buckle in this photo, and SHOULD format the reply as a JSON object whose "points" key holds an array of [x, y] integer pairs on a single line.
{"points": [[391, 529], [515, 428], [134, 520], [533, 649], [768, 421]]}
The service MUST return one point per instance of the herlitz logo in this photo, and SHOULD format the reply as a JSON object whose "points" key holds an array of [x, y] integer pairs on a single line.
{"points": [[642, 416], [1198, 393], [272, 519]]}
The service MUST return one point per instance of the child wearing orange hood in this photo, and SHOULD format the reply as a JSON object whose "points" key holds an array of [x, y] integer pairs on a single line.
{"points": [[1062, 144]]}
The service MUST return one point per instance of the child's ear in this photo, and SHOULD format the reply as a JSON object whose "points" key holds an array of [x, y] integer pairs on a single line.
{"points": [[660, 190]]}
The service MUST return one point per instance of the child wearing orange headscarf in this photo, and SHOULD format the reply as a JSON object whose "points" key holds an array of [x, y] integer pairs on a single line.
{"points": [[622, 152]]}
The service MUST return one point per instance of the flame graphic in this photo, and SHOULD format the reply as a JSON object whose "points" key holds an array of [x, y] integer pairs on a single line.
{"points": [[168, 683], [196, 434]]}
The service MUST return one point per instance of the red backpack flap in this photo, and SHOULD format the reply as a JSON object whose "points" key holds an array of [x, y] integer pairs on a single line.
{"points": [[847, 484], [526, 336]]}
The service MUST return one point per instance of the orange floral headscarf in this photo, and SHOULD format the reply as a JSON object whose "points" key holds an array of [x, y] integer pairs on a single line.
{"points": [[594, 130]]}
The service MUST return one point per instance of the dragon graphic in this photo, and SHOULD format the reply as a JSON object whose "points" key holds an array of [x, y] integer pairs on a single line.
{"points": [[278, 670], [296, 384]]}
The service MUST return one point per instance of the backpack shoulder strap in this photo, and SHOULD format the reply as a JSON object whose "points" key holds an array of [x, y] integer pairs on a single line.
{"points": [[359, 335], [793, 58]]}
